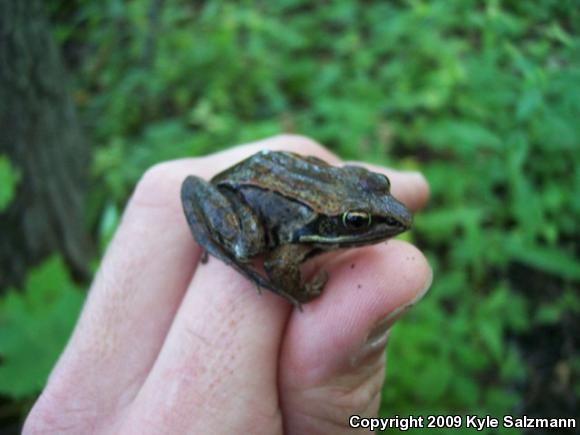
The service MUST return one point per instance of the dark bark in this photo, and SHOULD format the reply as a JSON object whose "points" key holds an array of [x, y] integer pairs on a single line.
{"points": [[40, 133]]}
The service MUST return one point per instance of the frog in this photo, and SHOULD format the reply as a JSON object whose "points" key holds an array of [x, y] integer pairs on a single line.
{"points": [[274, 210]]}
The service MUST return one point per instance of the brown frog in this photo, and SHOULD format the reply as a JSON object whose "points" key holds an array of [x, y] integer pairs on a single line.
{"points": [[286, 208]]}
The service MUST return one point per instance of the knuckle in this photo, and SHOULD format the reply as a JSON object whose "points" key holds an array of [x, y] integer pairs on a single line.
{"points": [[51, 415], [152, 178], [299, 140], [352, 401], [303, 145], [358, 395], [157, 186]]}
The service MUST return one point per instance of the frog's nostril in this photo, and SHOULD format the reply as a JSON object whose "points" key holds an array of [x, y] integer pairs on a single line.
{"points": [[392, 222]]}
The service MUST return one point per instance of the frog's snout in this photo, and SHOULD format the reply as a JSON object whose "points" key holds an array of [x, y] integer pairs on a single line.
{"points": [[407, 218], [402, 214]]}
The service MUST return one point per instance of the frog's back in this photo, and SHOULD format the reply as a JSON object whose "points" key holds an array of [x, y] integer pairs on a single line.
{"points": [[308, 180], [272, 166]]}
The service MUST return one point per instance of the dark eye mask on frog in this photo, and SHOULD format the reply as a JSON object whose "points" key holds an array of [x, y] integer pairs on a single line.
{"points": [[352, 228]]}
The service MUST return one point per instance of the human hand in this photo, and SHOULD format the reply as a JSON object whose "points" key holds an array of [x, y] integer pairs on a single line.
{"points": [[166, 345]]}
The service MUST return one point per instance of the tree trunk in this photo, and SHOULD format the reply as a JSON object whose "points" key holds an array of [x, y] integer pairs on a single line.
{"points": [[40, 133]]}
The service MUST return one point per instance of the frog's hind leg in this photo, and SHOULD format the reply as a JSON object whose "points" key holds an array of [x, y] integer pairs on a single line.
{"points": [[221, 225], [204, 207]]}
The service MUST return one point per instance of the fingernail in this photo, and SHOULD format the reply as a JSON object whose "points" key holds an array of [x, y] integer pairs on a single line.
{"points": [[424, 289], [378, 336], [375, 342]]}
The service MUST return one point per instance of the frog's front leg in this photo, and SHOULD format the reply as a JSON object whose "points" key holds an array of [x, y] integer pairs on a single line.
{"points": [[283, 268]]}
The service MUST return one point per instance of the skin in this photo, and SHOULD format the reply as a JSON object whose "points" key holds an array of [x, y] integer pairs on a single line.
{"points": [[166, 345]]}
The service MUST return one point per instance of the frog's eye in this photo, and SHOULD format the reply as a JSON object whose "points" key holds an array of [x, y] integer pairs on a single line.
{"points": [[356, 220], [388, 183], [377, 183]]}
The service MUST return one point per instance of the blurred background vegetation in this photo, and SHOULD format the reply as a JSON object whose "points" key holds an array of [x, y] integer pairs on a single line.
{"points": [[483, 96]]}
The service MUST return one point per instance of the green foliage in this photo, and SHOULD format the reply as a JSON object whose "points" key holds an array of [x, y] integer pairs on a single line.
{"points": [[8, 181], [35, 325], [483, 96]]}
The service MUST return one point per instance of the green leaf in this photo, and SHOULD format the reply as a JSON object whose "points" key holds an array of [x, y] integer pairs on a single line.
{"points": [[35, 325], [435, 377], [492, 335], [549, 314], [9, 178], [549, 260], [109, 222]]}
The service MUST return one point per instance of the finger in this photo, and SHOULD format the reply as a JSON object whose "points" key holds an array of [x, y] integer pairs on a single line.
{"points": [[220, 354], [129, 309], [331, 364]]}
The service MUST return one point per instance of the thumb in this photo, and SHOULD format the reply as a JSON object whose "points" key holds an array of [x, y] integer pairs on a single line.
{"points": [[332, 359]]}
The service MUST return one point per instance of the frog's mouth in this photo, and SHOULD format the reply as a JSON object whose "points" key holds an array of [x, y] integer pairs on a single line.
{"points": [[348, 240]]}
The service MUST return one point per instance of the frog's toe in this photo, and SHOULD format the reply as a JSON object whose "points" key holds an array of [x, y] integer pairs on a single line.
{"points": [[313, 288], [318, 282]]}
